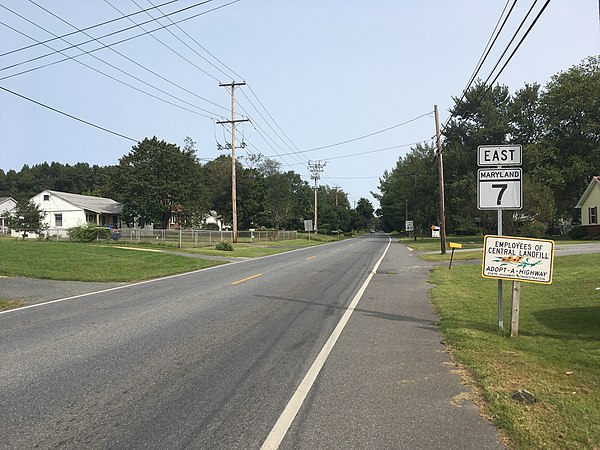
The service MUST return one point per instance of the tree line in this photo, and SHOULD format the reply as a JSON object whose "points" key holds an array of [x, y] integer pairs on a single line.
{"points": [[157, 180], [558, 126]]}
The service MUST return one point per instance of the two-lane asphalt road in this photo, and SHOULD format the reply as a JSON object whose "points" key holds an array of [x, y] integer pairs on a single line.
{"points": [[203, 360]]}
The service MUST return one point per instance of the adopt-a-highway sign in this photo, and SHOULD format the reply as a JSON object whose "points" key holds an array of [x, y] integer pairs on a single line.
{"points": [[518, 259]]}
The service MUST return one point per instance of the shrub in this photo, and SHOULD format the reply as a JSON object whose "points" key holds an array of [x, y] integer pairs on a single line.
{"points": [[88, 233], [224, 246], [532, 229], [578, 232]]}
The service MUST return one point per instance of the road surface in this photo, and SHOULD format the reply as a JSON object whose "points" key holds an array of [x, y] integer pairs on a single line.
{"points": [[210, 360]]}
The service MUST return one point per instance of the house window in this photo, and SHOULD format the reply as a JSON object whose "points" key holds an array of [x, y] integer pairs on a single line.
{"points": [[91, 218], [593, 214], [58, 220], [46, 197]]}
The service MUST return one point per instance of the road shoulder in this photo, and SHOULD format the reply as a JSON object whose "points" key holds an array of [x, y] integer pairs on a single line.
{"points": [[389, 383]]}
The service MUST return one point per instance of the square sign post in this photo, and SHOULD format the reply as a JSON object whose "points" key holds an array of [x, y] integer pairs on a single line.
{"points": [[308, 227], [499, 187]]}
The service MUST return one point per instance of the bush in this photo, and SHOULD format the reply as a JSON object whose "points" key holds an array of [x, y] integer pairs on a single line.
{"points": [[532, 229], [578, 232], [88, 233], [224, 246]]}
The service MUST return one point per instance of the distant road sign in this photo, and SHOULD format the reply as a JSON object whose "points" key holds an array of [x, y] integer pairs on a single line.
{"points": [[499, 188], [308, 225], [409, 225], [519, 259], [499, 155]]}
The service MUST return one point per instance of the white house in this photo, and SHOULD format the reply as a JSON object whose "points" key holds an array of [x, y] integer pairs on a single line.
{"points": [[64, 210], [589, 203], [7, 204]]}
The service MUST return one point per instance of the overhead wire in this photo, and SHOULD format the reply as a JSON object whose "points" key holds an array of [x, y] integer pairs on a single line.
{"points": [[161, 41], [516, 48], [490, 44], [198, 44], [114, 67], [74, 57], [68, 115], [485, 87], [83, 29], [122, 30]]}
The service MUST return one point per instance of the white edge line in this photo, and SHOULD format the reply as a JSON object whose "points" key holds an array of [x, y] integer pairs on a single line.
{"points": [[139, 283], [284, 422], [116, 288]]}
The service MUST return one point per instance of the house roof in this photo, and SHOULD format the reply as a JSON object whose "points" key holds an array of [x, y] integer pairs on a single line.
{"points": [[594, 182], [95, 204], [5, 199]]}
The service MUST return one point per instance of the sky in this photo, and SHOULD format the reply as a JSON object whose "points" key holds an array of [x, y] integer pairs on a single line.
{"points": [[317, 73]]}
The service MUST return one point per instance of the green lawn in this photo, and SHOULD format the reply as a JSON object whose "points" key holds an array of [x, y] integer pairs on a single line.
{"points": [[89, 262], [245, 250], [556, 356]]}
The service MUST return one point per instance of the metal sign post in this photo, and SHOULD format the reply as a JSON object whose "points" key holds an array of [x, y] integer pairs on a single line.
{"points": [[499, 187], [308, 227]]}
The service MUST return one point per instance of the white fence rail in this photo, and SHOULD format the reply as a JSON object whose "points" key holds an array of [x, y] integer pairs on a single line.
{"points": [[202, 238], [181, 238]]}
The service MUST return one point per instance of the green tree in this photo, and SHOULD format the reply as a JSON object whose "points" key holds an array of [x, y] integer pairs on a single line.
{"points": [[158, 179], [217, 181], [570, 107], [410, 191], [26, 217], [366, 212]]}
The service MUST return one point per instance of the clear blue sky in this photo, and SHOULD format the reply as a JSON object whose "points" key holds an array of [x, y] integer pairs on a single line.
{"points": [[326, 71]]}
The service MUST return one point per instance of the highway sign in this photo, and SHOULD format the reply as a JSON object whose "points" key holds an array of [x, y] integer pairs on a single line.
{"points": [[499, 155], [518, 259], [499, 188]]}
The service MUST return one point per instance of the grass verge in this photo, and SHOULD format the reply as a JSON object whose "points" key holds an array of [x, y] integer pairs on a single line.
{"points": [[556, 356], [245, 250], [88, 262], [10, 304]]}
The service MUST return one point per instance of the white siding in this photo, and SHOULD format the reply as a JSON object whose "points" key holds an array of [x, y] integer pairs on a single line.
{"points": [[72, 215]]}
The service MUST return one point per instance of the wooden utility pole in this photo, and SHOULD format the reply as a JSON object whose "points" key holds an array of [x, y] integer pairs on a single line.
{"points": [[233, 121], [441, 179], [316, 168]]}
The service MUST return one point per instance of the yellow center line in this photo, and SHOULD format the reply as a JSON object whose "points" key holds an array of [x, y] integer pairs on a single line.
{"points": [[249, 278], [310, 257]]}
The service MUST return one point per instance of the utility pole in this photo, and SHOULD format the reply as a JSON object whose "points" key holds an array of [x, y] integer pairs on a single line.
{"points": [[233, 121], [336, 187], [316, 168], [441, 179]]}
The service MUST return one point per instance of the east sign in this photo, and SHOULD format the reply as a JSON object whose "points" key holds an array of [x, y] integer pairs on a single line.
{"points": [[499, 155], [518, 259]]}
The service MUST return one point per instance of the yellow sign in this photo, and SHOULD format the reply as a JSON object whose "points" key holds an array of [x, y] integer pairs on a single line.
{"points": [[454, 245]]}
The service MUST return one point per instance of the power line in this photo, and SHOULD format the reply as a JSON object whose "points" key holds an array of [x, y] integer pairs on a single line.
{"points": [[68, 115], [114, 67], [122, 30], [111, 65], [162, 42], [516, 48], [83, 29], [485, 88], [367, 135], [488, 48], [203, 48]]}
